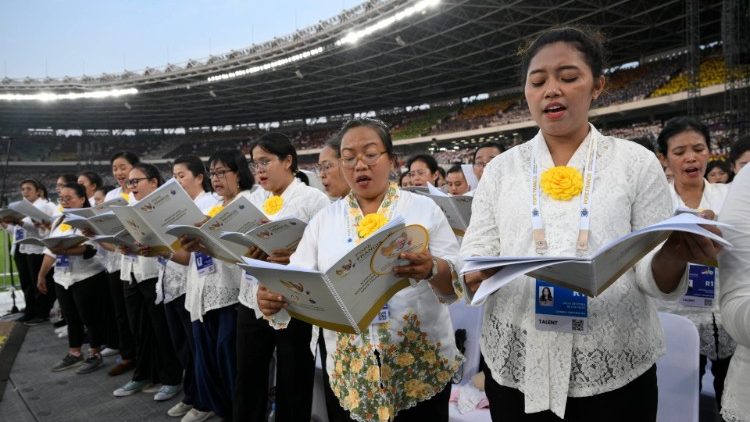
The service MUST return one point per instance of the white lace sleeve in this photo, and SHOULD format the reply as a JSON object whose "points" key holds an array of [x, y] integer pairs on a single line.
{"points": [[653, 203], [444, 245]]}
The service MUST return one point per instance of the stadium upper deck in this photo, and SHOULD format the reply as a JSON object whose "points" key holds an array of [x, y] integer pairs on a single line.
{"points": [[447, 50]]}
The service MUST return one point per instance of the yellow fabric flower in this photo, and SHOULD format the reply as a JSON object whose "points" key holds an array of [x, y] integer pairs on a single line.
{"points": [[405, 359], [415, 388], [65, 228], [215, 210], [373, 373], [352, 399], [384, 414], [339, 368], [125, 196], [273, 205], [562, 183], [429, 357], [356, 365], [370, 223]]}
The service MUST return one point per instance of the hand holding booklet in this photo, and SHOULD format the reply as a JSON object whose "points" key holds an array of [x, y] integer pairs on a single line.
{"points": [[29, 210], [347, 296], [589, 275], [275, 235], [101, 224], [55, 242], [147, 220]]}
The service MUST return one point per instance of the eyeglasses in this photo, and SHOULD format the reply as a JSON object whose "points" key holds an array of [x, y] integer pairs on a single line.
{"points": [[260, 165], [67, 198], [219, 173], [480, 165], [369, 158], [134, 181], [323, 168], [420, 173]]}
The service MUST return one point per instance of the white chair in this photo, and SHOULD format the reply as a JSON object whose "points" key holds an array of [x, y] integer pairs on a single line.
{"points": [[468, 318], [677, 371]]}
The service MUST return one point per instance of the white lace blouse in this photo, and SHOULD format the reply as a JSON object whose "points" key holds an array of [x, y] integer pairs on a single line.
{"points": [[78, 268], [703, 318], [32, 230], [625, 337], [216, 290], [113, 260], [299, 201], [735, 297]]}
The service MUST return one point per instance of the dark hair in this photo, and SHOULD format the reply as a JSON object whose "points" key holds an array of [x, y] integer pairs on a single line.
{"points": [[196, 167], [334, 143], [236, 162], [68, 178], [104, 189], [38, 186], [401, 178], [127, 155], [429, 161], [491, 144], [379, 126], [80, 192], [94, 178], [720, 163], [645, 142], [740, 147], [442, 171], [456, 168], [151, 172], [548, 292], [677, 125], [43, 189], [281, 146], [588, 42]]}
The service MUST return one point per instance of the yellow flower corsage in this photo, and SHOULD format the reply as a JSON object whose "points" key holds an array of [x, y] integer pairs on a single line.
{"points": [[273, 205], [562, 183], [125, 196], [370, 223], [215, 210], [65, 228]]}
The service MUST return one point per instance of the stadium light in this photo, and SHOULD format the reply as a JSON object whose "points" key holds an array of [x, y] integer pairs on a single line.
{"points": [[46, 97], [354, 36], [268, 66]]}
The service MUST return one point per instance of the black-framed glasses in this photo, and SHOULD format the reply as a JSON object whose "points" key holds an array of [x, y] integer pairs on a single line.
{"points": [[369, 158], [219, 173], [134, 181]]}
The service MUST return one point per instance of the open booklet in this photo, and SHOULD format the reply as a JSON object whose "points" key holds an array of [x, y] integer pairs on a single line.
{"points": [[347, 296], [147, 220], [121, 238], [28, 209], [11, 213], [281, 234], [102, 224], [239, 216], [96, 209], [55, 242], [457, 209], [589, 275]]}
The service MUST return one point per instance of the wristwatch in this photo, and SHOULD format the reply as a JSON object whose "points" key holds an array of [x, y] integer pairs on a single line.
{"points": [[434, 271]]}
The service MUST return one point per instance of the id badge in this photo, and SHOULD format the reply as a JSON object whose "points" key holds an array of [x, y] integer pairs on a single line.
{"points": [[205, 264], [560, 309], [20, 234], [62, 263], [383, 316], [701, 286]]}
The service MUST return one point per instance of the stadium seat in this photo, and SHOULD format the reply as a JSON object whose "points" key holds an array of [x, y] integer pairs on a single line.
{"points": [[677, 371]]}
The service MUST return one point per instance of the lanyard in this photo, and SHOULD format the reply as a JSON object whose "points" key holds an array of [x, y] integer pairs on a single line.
{"points": [[540, 240]]}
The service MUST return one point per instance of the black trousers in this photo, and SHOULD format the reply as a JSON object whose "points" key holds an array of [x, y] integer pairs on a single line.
{"points": [[28, 284], [636, 401], [156, 359], [295, 369], [37, 304], [181, 333], [434, 409], [125, 341], [719, 370], [81, 305]]}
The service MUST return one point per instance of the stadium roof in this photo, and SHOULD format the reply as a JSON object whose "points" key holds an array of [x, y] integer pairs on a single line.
{"points": [[449, 50]]}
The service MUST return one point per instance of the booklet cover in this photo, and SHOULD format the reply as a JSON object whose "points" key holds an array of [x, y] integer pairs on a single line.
{"points": [[122, 238], [96, 209], [239, 216], [280, 234], [102, 224], [55, 242], [590, 275], [148, 219], [349, 295], [457, 209], [29, 210]]}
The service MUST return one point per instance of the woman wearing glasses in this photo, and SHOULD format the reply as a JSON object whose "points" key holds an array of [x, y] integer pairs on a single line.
{"points": [[400, 368], [329, 169], [282, 195], [156, 359], [423, 169], [211, 297], [79, 279], [483, 155]]}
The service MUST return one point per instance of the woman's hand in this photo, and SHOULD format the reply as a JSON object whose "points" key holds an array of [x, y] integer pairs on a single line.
{"points": [[88, 232], [280, 256], [256, 253], [145, 250], [41, 285], [269, 302], [42, 224], [190, 244], [475, 278], [418, 268], [124, 250]]}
